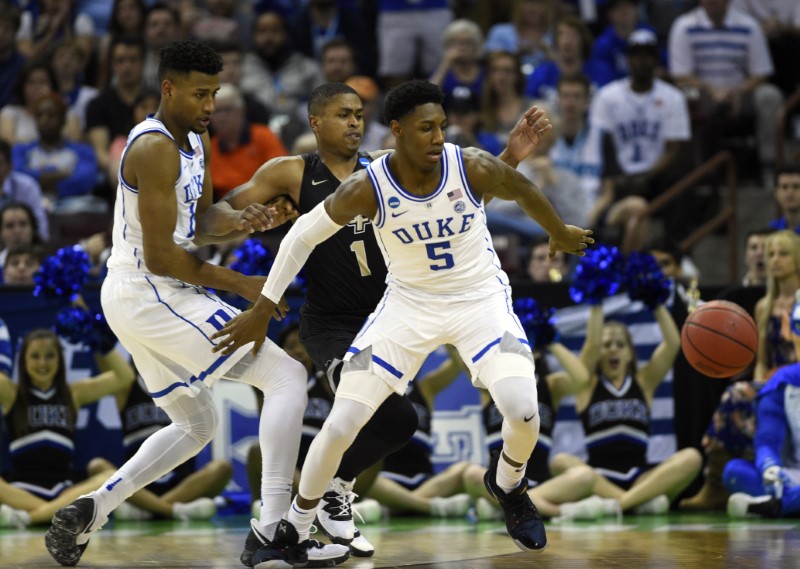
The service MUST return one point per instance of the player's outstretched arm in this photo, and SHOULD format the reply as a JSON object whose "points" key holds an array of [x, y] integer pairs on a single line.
{"points": [[256, 205], [354, 197], [491, 177]]}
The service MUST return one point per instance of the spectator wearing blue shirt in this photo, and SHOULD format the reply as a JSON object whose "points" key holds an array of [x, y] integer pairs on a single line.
{"points": [[529, 34], [66, 170], [769, 486], [611, 45], [787, 195], [460, 73], [573, 45]]}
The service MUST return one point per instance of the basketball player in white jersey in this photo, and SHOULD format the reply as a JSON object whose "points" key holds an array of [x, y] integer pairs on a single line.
{"points": [[155, 301], [445, 285]]}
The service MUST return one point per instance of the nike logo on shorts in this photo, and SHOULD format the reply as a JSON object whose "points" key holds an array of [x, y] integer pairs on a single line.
{"points": [[318, 182], [528, 419]]}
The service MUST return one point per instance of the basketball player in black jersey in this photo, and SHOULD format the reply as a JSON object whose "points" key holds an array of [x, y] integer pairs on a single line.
{"points": [[345, 275]]}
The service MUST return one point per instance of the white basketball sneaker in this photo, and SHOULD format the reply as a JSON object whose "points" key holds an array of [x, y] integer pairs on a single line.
{"points": [[335, 517]]}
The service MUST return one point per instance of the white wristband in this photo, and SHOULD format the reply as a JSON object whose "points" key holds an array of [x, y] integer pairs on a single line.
{"points": [[307, 232]]}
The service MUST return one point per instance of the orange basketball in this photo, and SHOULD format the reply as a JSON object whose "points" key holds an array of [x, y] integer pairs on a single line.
{"points": [[719, 338]]}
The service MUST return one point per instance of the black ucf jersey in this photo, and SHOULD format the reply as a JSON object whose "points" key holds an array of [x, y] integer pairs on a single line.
{"points": [[346, 274]]}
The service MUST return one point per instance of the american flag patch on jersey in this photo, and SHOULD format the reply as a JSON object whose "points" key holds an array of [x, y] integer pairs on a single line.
{"points": [[455, 194]]}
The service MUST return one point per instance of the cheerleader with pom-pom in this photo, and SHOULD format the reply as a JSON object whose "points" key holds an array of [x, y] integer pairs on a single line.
{"points": [[40, 412], [615, 404]]}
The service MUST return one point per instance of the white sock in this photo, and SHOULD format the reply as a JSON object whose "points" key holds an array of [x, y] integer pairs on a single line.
{"points": [[508, 476], [301, 519]]}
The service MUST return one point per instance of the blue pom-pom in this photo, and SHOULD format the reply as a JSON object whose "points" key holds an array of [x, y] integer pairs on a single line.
{"points": [[645, 281], [78, 326], [62, 275], [101, 339], [598, 275], [252, 258], [73, 324], [538, 323]]}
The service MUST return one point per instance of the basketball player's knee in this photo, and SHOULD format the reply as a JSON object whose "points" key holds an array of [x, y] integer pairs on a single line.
{"points": [[516, 398], [340, 433], [202, 424], [522, 409], [344, 422], [291, 382], [398, 420]]}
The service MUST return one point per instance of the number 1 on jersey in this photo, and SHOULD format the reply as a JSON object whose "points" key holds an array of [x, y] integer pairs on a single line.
{"points": [[360, 251]]}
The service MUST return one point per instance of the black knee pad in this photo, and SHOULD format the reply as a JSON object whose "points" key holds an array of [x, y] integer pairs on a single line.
{"points": [[395, 421]]}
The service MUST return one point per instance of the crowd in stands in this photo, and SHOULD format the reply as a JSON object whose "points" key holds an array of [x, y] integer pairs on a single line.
{"points": [[638, 93]]}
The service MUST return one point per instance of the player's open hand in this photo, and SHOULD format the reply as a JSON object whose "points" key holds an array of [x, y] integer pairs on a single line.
{"points": [[573, 240], [529, 131], [249, 326]]}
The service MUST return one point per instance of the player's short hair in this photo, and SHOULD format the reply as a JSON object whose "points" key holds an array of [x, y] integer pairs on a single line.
{"points": [[407, 96], [322, 96], [183, 57]]}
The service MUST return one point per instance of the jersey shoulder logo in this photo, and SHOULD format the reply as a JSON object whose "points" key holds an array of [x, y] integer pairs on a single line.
{"points": [[318, 182]]}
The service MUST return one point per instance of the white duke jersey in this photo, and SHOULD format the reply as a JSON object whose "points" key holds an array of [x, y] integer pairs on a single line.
{"points": [[640, 123], [435, 244], [127, 251]]}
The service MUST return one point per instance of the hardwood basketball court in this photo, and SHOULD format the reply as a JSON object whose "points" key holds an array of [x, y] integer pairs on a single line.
{"points": [[676, 541]]}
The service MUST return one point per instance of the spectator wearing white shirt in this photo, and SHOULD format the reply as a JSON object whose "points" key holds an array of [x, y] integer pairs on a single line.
{"points": [[645, 125], [720, 56], [780, 22]]}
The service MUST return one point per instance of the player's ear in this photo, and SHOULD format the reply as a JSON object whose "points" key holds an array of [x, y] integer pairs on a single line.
{"points": [[395, 127], [313, 122], [167, 88]]}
